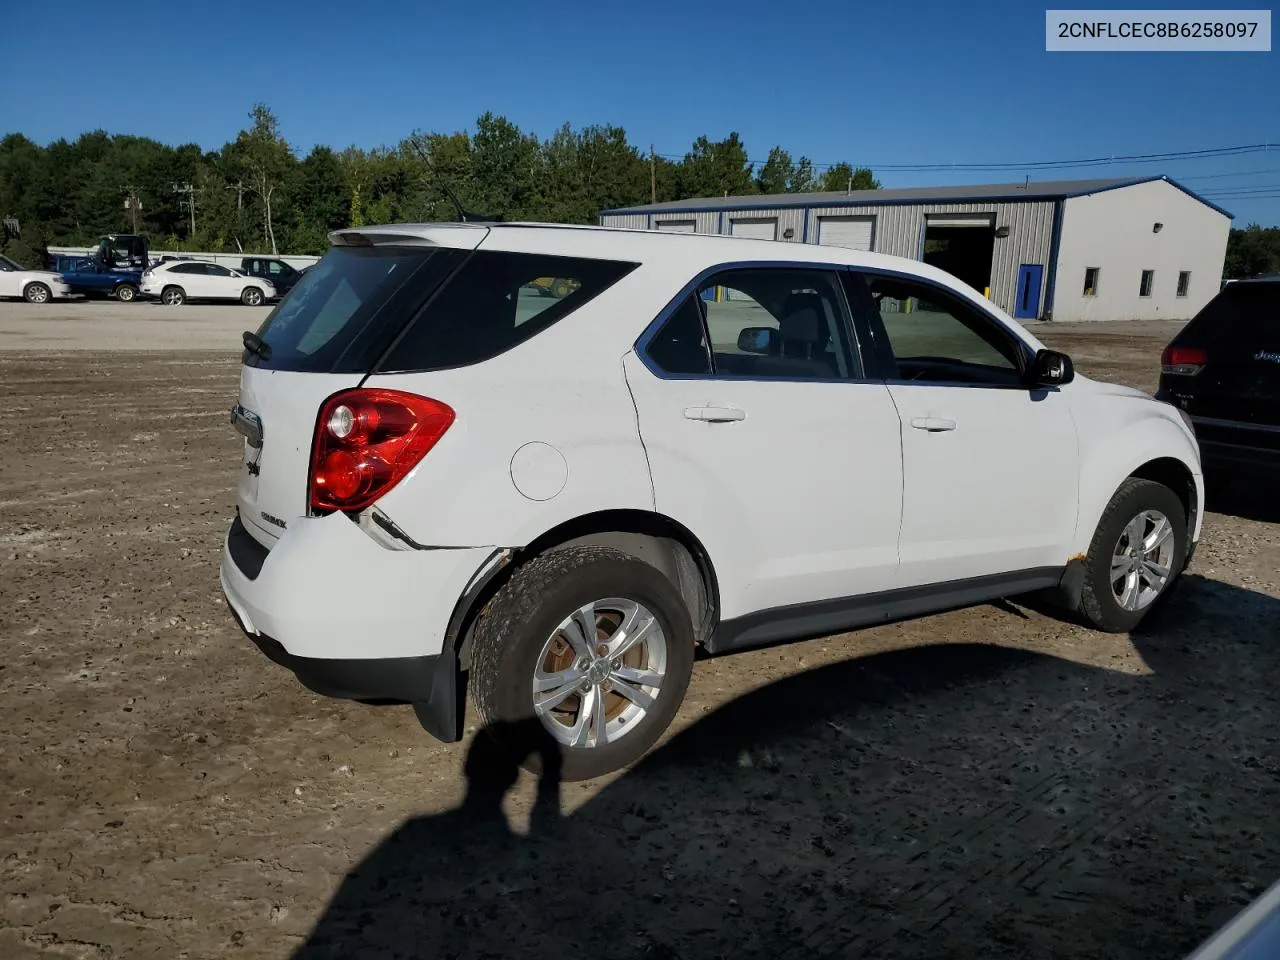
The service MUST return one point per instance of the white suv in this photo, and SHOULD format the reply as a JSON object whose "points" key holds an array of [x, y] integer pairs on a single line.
{"points": [[452, 481], [174, 282]]}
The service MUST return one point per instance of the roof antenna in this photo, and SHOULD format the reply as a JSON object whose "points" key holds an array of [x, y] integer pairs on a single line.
{"points": [[464, 216]]}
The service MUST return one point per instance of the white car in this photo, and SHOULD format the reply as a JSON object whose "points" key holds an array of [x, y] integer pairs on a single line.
{"points": [[710, 442], [34, 286], [174, 282]]}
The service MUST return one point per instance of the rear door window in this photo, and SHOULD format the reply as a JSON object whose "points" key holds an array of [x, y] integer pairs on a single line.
{"points": [[494, 302]]}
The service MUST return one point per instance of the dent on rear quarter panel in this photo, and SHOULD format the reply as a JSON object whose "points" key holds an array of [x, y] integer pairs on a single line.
{"points": [[565, 389]]}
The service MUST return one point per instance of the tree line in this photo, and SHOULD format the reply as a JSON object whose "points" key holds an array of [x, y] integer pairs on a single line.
{"points": [[257, 193]]}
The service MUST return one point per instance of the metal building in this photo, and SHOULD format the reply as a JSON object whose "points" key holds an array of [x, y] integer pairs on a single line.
{"points": [[1111, 249]]}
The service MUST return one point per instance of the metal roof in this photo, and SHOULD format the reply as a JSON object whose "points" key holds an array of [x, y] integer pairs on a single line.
{"points": [[965, 193]]}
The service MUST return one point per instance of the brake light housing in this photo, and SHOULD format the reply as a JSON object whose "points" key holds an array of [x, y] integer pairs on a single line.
{"points": [[368, 440], [1183, 361]]}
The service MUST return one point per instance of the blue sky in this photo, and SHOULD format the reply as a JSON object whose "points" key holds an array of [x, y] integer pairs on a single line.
{"points": [[872, 83]]}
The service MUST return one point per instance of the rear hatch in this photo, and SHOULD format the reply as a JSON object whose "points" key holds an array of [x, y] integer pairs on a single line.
{"points": [[325, 337], [1225, 364]]}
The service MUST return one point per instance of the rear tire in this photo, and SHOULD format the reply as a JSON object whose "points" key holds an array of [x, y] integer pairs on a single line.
{"points": [[173, 296], [527, 636], [251, 297], [1142, 534], [126, 293], [37, 292]]}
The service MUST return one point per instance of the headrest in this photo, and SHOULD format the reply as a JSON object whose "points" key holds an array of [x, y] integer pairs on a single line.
{"points": [[805, 325]]}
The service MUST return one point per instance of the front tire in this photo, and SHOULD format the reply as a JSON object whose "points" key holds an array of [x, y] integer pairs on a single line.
{"points": [[594, 645], [173, 296], [37, 293], [251, 297], [1137, 552]]}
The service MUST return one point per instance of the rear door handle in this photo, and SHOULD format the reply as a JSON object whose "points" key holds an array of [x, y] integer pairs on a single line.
{"points": [[715, 414], [933, 424]]}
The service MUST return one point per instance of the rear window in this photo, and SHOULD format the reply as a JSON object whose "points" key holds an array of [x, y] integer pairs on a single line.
{"points": [[1242, 314], [347, 309], [496, 301]]}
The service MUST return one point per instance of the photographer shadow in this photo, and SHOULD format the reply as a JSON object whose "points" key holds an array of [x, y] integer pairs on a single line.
{"points": [[947, 801]]}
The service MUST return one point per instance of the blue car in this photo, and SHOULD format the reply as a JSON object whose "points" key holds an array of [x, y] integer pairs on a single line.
{"points": [[91, 279]]}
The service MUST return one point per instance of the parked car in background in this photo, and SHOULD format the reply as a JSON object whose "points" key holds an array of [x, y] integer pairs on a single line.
{"points": [[34, 286], [178, 281], [1223, 370], [279, 274], [91, 278], [841, 438]]}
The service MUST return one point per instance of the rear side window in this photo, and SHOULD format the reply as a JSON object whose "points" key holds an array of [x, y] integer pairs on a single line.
{"points": [[346, 310], [1245, 314], [494, 302]]}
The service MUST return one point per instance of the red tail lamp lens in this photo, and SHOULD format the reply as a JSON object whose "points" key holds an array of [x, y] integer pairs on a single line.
{"points": [[367, 441], [1183, 360]]}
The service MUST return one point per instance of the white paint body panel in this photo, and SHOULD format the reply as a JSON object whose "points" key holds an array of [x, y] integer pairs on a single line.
{"points": [[997, 493], [328, 590], [1114, 231], [798, 501], [801, 501]]}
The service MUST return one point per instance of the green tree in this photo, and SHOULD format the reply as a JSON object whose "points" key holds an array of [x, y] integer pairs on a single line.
{"points": [[266, 159], [843, 176], [507, 168], [1251, 252], [715, 169], [777, 173]]}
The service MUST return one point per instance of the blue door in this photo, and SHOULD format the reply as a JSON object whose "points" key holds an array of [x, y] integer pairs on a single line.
{"points": [[1027, 306]]}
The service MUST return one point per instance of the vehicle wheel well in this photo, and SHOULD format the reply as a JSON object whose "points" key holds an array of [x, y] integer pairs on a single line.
{"points": [[1175, 475], [657, 540]]}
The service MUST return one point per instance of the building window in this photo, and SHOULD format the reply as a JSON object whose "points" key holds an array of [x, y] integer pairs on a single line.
{"points": [[1148, 281], [1184, 282], [1090, 281]]}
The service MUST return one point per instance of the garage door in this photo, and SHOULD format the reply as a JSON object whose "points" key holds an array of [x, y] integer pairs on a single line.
{"points": [[756, 229], [851, 232], [676, 226]]}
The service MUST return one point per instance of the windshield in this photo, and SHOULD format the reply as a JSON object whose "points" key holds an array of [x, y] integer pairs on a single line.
{"points": [[8, 265], [344, 311]]}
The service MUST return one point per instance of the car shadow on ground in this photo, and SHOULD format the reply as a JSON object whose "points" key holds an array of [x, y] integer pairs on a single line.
{"points": [[950, 801]]}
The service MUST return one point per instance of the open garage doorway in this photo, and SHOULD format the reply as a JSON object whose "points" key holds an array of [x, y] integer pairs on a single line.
{"points": [[962, 246]]}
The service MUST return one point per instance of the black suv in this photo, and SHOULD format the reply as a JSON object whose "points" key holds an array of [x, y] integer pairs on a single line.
{"points": [[281, 275], [1223, 370]]}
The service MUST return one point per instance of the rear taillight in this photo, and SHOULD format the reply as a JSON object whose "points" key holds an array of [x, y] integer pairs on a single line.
{"points": [[1183, 361], [366, 441]]}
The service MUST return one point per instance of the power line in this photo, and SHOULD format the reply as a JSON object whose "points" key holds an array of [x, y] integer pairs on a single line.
{"points": [[977, 166], [1235, 173]]}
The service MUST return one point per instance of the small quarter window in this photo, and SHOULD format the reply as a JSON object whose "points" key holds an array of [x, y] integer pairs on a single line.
{"points": [[1090, 281], [680, 347]]}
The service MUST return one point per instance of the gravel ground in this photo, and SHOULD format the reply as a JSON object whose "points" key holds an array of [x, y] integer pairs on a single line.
{"points": [[985, 783]]}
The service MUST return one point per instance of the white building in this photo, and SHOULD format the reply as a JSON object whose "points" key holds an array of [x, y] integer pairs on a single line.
{"points": [[1112, 249]]}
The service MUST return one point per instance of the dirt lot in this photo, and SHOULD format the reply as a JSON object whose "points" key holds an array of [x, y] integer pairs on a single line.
{"points": [[986, 783]]}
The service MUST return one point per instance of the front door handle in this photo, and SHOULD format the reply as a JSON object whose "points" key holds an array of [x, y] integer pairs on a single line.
{"points": [[715, 414], [933, 424]]}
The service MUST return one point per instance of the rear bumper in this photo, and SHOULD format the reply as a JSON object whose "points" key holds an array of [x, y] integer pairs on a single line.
{"points": [[351, 618]]}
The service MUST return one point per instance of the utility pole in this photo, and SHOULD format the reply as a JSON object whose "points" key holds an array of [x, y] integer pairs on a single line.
{"points": [[653, 176], [133, 204], [189, 191]]}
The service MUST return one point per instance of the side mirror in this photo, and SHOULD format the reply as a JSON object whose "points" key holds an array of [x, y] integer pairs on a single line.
{"points": [[1051, 369], [756, 339]]}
